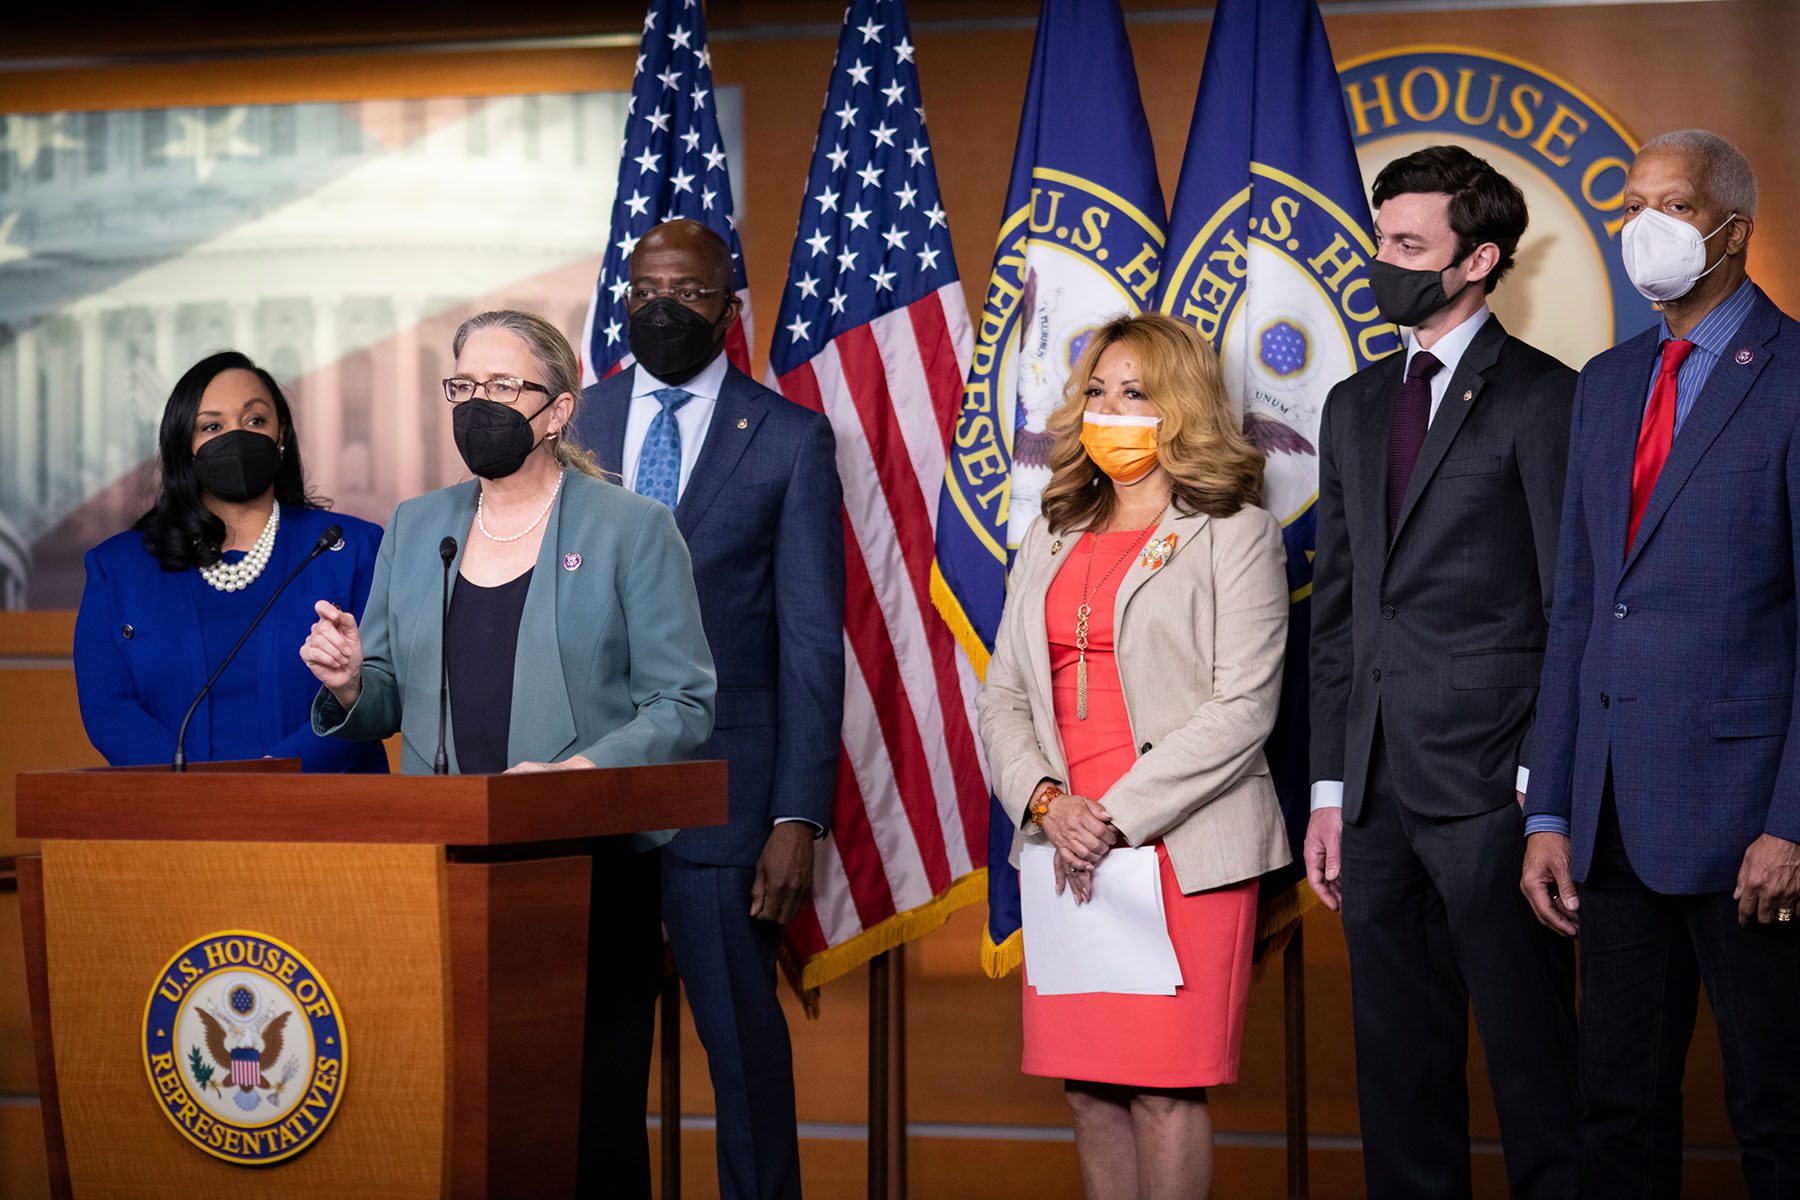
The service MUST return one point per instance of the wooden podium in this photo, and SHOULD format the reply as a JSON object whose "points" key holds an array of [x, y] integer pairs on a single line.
{"points": [[447, 915]]}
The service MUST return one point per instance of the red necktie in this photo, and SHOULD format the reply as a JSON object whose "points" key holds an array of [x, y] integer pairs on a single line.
{"points": [[1657, 434]]}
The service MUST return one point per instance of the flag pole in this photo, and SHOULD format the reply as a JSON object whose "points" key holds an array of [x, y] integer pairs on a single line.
{"points": [[670, 1135], [1293, 1011], [887, 1075]]}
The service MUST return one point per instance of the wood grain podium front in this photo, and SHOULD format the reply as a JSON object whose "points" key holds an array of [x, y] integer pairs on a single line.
{"points": [[446, 917]]}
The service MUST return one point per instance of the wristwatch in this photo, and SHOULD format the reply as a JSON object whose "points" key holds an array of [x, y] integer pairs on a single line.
{"points": [[1040, 803]]}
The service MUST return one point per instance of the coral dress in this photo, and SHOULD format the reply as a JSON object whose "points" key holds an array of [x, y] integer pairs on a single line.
{"points": [[1190, 1039]]}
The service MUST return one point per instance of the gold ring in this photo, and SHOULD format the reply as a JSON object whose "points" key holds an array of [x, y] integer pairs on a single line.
{"points": [[1784, 914]]}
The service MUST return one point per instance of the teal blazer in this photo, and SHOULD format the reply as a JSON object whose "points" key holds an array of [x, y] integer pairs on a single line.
{"points": [[612, 664]]}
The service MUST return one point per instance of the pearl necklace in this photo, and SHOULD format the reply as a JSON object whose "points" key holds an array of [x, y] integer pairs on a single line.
{"points": [[481, 523], [235, 577]]}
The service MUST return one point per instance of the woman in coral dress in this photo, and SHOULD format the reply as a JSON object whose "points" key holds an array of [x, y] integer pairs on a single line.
{"points": [[1134, 680]]}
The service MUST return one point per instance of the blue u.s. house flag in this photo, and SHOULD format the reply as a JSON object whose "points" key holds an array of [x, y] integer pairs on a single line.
{"points": [[1269, 253], [1081, 241]]}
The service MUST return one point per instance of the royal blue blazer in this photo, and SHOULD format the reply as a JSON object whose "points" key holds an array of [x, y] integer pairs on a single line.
{"points": [[762, 515], [1674, 666], [140, 659]]}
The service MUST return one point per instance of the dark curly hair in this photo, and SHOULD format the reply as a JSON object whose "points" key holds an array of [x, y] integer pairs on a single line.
{"points": [[1485, 206], [179, 530]]}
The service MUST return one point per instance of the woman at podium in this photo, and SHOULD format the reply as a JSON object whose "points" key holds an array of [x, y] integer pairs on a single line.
{"points": [[571, 637], [560, 608], [166, 601]]}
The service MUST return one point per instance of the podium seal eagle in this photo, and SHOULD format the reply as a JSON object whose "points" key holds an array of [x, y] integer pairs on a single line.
{"points": [[244, 1047]]}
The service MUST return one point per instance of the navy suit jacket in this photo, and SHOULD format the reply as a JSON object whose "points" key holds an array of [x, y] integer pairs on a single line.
{"points": [[1675, 663], [763, 517], [140, 661]]}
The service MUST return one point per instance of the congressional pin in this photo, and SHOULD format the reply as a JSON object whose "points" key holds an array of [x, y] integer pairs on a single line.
{"points": [[1744, 355], [339, 545], [571, 562], [1468, 395], [743, 422]]}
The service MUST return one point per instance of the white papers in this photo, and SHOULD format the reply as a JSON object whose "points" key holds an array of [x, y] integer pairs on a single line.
{"points": [[1116, 942]]}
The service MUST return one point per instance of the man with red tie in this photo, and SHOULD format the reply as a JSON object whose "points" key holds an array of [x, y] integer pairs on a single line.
{"points": [[1663, 820], [1440, 482]]}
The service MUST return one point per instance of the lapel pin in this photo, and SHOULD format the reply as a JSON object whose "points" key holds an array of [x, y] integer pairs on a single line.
{"points": [[1056, 546], [1468, 395], [340, 544], [571, 561], [743, 422], [1744, 355]]}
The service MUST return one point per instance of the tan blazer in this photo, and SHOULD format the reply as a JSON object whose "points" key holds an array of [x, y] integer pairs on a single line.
{"points": [[1199, 643]]}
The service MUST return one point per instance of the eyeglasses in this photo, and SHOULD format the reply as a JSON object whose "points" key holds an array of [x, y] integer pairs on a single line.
{"points": [[687, 295], [501, 389]]}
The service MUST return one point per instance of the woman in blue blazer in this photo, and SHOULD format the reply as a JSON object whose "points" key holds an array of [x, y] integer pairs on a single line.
{"points": [[166, 600], [573, 639]]}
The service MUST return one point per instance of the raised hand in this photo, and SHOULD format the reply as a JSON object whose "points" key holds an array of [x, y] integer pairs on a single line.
{"points": [[333, 652]]}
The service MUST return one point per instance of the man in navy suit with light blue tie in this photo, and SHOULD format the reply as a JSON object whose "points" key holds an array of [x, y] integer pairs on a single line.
{"points": [[752, 478], [1663, 816]]}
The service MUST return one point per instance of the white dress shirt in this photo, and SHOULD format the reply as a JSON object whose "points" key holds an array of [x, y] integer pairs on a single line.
{"points": [[1448, 350], [693, 418]]}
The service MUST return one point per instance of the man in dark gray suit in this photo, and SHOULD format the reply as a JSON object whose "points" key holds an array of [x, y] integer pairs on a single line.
{"points": [[1440, 485]]}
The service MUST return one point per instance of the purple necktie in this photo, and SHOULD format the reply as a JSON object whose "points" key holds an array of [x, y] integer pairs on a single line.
{"points": [[1412, 414]]}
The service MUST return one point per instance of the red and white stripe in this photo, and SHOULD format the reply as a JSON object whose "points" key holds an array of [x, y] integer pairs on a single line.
{"points": [[910, 815]]}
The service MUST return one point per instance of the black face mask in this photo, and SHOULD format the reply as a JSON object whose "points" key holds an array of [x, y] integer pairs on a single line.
{"points": [[1408, 297], [494, 439], [672, 341], [237, 466]]}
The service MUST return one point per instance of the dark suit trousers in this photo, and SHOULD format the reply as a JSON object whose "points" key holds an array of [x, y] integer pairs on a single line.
{"points": [[1433, 919], [727, 962], [1644, 956], [625, 966]]}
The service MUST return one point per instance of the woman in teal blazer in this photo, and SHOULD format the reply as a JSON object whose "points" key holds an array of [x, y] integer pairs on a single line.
{"points": [[574, 640], [611, 667]]}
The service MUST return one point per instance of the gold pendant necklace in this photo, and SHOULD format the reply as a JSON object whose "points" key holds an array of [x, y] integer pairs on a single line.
{"points": [[1086, 610]]}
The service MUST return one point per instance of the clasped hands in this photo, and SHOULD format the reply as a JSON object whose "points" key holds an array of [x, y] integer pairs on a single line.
{"points": [[1081, 830]]}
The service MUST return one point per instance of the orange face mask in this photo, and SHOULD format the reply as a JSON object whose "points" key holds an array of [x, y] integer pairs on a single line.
{"points": [[1124, 447]]}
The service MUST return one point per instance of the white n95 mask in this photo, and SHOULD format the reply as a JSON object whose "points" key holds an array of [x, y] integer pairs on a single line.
{"points": [[1665, 258]]}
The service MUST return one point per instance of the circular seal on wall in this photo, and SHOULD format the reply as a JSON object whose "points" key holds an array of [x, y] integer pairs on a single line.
{"points": [[244, 1047]]}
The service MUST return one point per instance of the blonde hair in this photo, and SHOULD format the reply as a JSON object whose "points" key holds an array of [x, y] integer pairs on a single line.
{"points": [[562, 373], [1212, 466]]}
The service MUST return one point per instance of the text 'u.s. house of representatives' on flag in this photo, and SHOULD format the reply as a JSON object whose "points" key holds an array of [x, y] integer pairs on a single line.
{"points": [[1269, 249], [1081, 241], [671, 165], [874, 332]]}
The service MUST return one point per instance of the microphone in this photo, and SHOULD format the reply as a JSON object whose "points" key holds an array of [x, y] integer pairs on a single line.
{"points": [[441, 764], [331, 537]]}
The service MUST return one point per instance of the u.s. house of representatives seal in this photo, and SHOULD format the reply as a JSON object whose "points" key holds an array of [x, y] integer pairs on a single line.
{"points": [[244, 1046]]}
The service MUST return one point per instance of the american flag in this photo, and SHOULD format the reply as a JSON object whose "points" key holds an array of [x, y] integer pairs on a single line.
{"points": [[671, 165], [874, 332]]}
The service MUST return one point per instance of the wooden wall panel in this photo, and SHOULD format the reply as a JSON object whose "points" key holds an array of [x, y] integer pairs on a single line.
{"points": [[18, 1068], [23, 1175]]}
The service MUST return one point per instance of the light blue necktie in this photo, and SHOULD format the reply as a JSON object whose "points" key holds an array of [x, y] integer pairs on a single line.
{"points": [[659, 463]]}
